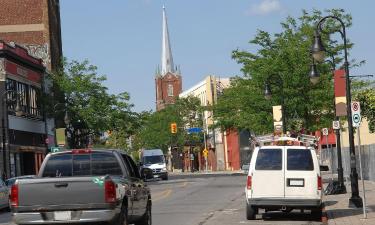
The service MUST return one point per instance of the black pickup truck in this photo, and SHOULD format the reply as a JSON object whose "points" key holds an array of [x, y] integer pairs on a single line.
{"points": [[83, 186]]}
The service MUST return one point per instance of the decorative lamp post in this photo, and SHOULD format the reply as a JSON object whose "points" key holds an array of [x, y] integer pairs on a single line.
{"points": [[276, 79], [318, 50]]}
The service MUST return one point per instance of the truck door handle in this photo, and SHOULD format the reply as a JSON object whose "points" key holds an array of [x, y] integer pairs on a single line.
{"points": [[59, 185]]}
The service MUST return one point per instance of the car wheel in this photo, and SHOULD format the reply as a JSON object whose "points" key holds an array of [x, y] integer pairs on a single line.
{"points": [[165, 177], [122, 218], [147, 217], [317, 213], [251, 212]]}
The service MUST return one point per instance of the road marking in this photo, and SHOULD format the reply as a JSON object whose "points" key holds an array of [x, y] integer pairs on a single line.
{"points": [[162, 195], [184, 184]]}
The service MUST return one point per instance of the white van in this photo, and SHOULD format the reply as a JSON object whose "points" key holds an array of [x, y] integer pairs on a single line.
{"points": [[283, 178], [154, 159]]}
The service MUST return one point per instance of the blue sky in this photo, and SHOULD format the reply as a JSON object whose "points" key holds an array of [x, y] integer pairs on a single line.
{"points": [[123, 37]]}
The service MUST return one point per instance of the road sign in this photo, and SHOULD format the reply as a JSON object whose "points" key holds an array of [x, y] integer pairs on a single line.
{"points": [[356, 114], [325, 131], [336, 124], [55, 149], [205, 152], [194, 130]]}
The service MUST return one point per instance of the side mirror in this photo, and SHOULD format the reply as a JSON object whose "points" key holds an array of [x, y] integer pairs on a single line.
{"points": [[324, 168], [147, 174]]}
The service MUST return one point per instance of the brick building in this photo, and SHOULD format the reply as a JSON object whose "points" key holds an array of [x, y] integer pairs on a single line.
{"points": [[31, 39], [35, 25], [168, 80]]}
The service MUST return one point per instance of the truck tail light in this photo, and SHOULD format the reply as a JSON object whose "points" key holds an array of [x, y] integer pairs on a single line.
{"points": [[319, 182], [81, 151], [14, 195], [248, 182], [110, 191]]}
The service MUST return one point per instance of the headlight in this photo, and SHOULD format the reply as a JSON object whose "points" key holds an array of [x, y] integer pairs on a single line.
{"points": [[164, 169]]}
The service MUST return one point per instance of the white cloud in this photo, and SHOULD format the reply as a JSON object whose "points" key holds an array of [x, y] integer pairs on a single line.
{"points": [[265, 7]]}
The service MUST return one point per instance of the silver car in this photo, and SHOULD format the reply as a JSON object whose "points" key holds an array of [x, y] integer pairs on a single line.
{"points": [[4, 195]]}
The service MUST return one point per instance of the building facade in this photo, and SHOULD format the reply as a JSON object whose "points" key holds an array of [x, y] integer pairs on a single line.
{"points": [[168, 80], [32, 30], [23, 128], [208, 91]]}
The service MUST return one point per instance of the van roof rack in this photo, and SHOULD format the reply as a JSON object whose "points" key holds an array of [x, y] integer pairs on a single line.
{"points": [[306, 140]]}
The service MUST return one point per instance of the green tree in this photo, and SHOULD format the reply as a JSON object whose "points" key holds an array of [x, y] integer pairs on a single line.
{"points": [[285, 55], [367, 99], [90, 108], [155, 131]]}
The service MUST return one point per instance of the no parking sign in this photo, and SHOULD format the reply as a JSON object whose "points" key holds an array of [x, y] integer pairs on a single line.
{"points": [[356, 114]]}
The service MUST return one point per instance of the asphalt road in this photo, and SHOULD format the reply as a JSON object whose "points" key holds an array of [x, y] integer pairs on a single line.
{"points": [[205, 200]]}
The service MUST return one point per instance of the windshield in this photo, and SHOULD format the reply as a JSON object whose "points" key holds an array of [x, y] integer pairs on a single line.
{"points": [[153, 159]]}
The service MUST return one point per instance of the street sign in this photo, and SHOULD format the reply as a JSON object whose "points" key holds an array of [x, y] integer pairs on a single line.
{"points": [[325, 131], [356, 114], [192, 156], [55, 149], [205, 152], [194, 130], [336, 124]]}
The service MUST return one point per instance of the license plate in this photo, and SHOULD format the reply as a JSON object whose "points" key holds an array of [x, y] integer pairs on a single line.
{"points": [[63, 216], [296, 183]]}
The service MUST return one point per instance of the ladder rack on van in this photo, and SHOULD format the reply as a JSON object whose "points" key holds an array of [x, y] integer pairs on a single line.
{"points": [[305, 140]]}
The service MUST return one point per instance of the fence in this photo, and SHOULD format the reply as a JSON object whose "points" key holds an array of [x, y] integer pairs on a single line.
{"points": [[329, 157]]}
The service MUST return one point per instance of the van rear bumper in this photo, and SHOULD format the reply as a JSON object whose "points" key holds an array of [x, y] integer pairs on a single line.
{"points": [[308, 203]]}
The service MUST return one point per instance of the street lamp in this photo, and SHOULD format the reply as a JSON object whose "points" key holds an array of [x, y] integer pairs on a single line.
{"points": [[314, 74], [19, 112], [318, 50], [268, 94]]}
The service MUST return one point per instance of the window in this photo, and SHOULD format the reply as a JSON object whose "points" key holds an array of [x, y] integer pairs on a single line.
{"points": [[153, 159], [81, 165], [95, 164], [105, 163], [170, 90], [28, 97], [269, 159], [299, 159], [58, 166]]}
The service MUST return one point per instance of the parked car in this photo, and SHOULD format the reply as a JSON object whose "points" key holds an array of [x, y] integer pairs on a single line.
{"points": [[154, 159], [82, 186], [9, 182], [4, 196], [283, 178]]}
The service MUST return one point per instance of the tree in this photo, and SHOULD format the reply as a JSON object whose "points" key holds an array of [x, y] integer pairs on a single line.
{"points": [[155, 132], [286, 55], [90, 108], [367, 99]]}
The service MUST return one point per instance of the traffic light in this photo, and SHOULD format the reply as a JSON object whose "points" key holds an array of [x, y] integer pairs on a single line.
{"points": [[173, 128]]}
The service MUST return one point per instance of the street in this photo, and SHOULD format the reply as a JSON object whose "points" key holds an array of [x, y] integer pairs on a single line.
{"points": [[198, 200]]}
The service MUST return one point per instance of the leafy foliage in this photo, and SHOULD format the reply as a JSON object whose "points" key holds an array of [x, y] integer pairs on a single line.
{"points": [[283, 60], [367, 99]]}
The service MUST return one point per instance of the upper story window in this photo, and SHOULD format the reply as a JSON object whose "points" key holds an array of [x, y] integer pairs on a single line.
{"points": [[28, 97], [170, 90]]}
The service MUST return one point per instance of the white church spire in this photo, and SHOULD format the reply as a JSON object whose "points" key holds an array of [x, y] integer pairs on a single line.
{"points": [[166, 53]]}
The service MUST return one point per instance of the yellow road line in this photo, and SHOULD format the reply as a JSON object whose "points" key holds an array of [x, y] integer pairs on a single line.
{"points": [[163, 195]]}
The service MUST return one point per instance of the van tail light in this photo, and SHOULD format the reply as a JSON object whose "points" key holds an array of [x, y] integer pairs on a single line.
{"points": [[14, 195], [319, 182], [248, 182], [110, 191]]}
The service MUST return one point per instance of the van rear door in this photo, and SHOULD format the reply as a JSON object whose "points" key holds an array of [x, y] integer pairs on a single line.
{"points": [[301, 177], [268, 173]]}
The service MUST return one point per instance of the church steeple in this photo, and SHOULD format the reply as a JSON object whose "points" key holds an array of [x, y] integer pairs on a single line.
{"points": [[166, 53]]}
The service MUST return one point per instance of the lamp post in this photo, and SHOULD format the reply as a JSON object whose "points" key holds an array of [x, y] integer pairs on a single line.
{"points": [[318, 50], [268, 95], [18, 111], [340, 188]]}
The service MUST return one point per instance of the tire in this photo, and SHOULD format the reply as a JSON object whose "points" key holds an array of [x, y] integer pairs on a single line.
{"points": [[317, 213], [251, 212], [122, 218], [147, 217], [165, 177]]}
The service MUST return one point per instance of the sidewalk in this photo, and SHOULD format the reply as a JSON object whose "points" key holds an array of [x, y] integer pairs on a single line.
{"points": [[339, 212]]}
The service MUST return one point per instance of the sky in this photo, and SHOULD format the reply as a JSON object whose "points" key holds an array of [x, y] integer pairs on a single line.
{"points": [[123, 37]]}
